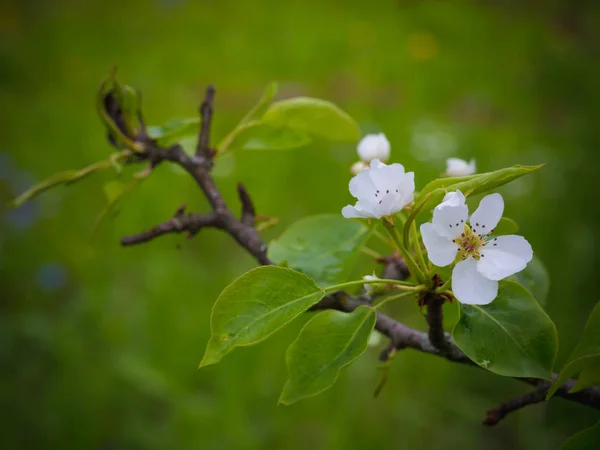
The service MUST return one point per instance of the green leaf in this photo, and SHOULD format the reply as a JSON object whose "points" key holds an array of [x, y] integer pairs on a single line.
{"points": [[588, 439], [325, 247], [263, 104], [589, 375], [257, 136], [512, 336], [174, 131], [535, 279], [256, 305], [506, 226], [313, 116], [584, 358], [330, 341], [471, 185]]}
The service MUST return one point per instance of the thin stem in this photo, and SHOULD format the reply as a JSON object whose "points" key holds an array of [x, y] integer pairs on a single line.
{"points": [[417, 244], [391, 298], [403, 285], [414, 268], [370, 252], [444, 287]]}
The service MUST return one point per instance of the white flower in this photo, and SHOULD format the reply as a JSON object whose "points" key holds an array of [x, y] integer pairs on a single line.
{"points": [[374, 146], [483, 259], [381, 190], [358, 167], [456, 167]]}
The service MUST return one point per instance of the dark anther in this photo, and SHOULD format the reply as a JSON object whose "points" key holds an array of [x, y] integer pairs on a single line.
{"points": [[450, 225], [387, 192], [482, 226], [456, 224], [476, 224]]}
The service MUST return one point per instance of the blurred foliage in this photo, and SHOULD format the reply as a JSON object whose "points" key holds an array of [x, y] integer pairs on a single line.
{"points": [[99, 346]]}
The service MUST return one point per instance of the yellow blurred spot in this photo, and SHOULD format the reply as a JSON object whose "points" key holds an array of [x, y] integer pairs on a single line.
{"points": [[422, 46]]}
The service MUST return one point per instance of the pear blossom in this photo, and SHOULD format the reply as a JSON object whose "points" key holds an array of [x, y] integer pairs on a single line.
{"points": [[483, 259], [381, 190], [374, 146], [358, 167], [456, 167]]}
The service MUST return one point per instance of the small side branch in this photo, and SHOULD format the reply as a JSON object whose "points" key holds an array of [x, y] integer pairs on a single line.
{"points": [[192, 223], [248, 212], [206, 111], [495, 415]]}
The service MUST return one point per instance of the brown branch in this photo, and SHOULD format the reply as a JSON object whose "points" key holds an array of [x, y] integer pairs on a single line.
{"points": [[404, 337], [243, 231], [206, 111], [248, 212], [192, 223], [435, 320], [495, 415]]}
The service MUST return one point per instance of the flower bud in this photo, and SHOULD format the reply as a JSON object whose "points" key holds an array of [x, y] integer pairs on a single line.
{"points": [[456, 167], [374, 146]]}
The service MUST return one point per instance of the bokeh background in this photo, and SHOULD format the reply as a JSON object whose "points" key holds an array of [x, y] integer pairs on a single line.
{"points": [[99, 345]]}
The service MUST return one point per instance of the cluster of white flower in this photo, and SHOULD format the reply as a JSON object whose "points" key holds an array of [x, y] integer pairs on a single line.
{"points": [[451, 237]]}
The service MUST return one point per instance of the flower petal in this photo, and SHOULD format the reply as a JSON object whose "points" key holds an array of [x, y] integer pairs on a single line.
{"points": [[470, 287], [440, 250], [488, 214], [504, 256], [358, 211], [449, 217], [361, 185]]}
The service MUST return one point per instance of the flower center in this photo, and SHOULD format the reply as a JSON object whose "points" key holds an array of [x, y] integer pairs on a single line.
{"points": [[381, 193], [470, 243]]}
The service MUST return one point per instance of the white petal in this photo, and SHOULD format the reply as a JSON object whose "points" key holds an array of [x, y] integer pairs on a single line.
{"points": [[449, 217], [440, 250], [454, 198], [504, 256], [361, 185], [470, 287], [358, 212], [374, 146], [488, 214], [472, 167]]}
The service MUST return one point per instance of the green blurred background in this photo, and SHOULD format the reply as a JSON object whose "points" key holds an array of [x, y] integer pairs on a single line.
{"points": [[99, 344]]}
